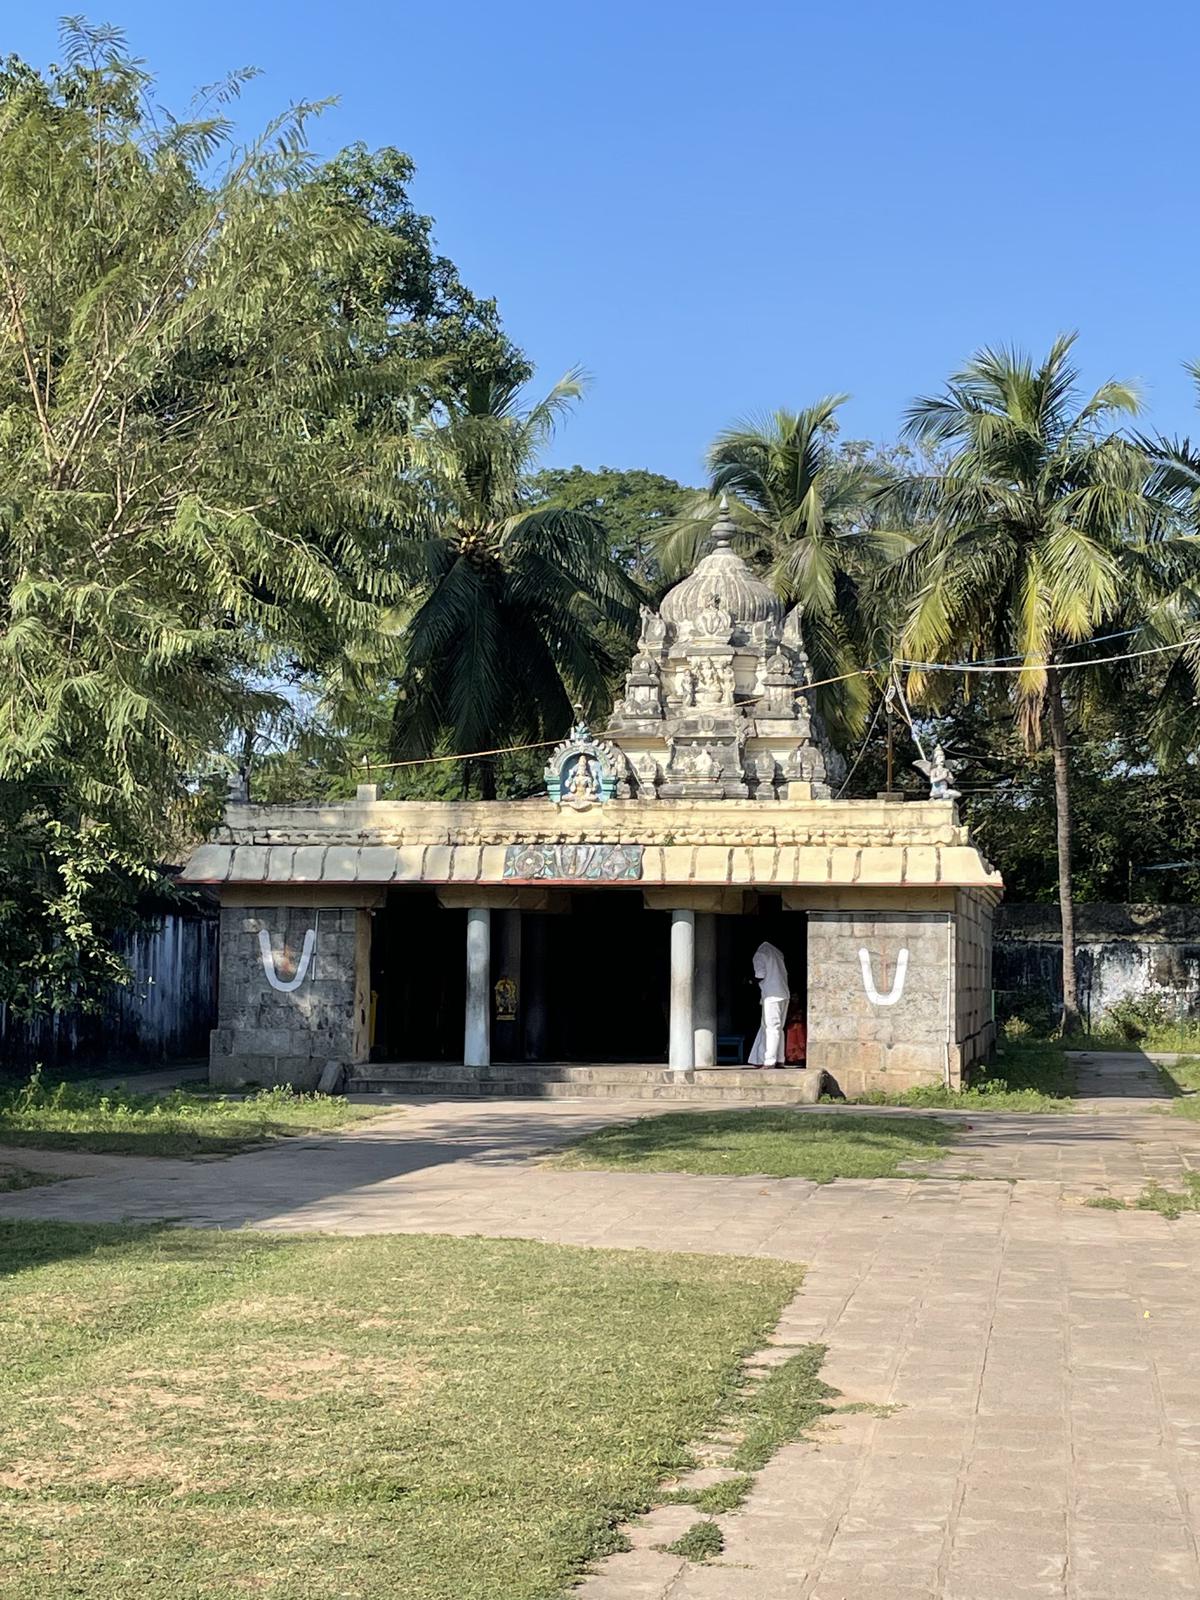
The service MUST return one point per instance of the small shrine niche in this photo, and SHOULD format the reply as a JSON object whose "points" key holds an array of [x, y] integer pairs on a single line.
{"points": [[584, 771]]}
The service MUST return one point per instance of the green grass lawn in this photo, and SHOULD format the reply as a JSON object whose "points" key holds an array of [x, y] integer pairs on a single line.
{"points": [[76, 1116], [1182, 1079], [1168, 1036], [771, 1142], [194, 1414], [1024, 1075]]}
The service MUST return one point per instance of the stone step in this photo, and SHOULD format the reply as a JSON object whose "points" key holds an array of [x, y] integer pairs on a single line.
{"points": [[448, 1079]]}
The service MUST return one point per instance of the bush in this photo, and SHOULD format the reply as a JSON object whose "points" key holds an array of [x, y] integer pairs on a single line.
{"points": [[1026, 1014], [1135, 1019]]}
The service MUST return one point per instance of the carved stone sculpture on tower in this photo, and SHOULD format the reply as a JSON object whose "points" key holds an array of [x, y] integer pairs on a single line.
{"points": [[714, 624]]}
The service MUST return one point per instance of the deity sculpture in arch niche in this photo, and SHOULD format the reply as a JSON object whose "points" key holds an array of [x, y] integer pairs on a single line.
{"points": [[581, 778], [714, 623], [583, 771], [714, 682], [704, 764]]}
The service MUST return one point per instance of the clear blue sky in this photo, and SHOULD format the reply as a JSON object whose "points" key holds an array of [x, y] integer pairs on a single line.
{"points": [[717, 209]]}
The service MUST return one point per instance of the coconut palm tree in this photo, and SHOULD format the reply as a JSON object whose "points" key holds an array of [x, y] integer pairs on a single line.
{"points": [[1032, 529], [510, 609], [802, 510], [1169, 574]]}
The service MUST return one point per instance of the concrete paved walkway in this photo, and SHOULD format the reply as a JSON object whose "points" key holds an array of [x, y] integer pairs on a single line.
{"points": [[1041, 1353]]}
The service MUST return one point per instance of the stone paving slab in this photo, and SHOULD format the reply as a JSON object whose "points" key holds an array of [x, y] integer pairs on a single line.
{"points": [[1041, 1354]]}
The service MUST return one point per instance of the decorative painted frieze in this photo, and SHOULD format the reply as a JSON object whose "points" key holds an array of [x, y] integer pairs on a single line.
{"points": [[589, 863]]}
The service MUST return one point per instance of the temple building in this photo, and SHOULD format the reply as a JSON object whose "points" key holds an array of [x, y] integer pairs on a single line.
{"points": [[615, 918]]}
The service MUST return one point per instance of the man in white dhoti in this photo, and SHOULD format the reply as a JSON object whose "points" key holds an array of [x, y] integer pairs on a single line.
{"points": [[771, 973]]}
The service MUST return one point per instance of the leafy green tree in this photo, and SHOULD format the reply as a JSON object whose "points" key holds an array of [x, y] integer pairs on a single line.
{"points": [[1168, 576], [1032, 524], [62, 888], [398, 290], [631, 506], [200, 454], [506, 604], [802, 509]]}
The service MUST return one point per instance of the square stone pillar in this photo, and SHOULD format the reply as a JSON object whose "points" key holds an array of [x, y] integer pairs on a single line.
{"points": [[477, 1040], [683, 960]]}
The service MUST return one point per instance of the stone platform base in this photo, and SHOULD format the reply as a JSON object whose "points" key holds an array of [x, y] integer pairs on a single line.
{"points": [[791, 1085]]}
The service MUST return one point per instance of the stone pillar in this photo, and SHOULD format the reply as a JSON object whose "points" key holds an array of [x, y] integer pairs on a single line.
{"points": [[705, 990], [477, 1039], [683, 953]]}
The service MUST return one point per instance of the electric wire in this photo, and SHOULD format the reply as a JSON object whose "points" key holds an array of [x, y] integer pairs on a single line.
{"points": [[974, 667]]}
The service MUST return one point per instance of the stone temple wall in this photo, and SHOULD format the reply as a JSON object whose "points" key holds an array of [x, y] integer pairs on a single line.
{"points": [[881, 998], [287, 1009]]}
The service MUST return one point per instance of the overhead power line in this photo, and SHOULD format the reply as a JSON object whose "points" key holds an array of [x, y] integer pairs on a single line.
{"points": [[973, 667]]}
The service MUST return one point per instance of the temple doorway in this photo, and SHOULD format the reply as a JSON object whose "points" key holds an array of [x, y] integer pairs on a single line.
{"points": [[418, 979], [738, 1004], [595, 980]]}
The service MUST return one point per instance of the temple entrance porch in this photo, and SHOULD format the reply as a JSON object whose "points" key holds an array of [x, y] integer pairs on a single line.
{"points": [[583, 976]]}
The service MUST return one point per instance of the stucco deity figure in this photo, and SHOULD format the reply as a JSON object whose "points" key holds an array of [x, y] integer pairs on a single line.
{"points": [[941, 779], [654, 629], [685, 685], [705, 764], [714, 683], [584, 783], [708, 688], [714, 622], [770, 971]]}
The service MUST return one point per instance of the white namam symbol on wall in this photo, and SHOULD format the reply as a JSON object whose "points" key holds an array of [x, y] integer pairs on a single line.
{"points": [[287, 985], [868, 977]]}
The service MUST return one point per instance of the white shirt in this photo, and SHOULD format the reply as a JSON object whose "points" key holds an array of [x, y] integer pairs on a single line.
{"points": [[771, 972]]}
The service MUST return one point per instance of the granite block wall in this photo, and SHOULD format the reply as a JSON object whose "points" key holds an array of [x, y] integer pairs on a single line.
{"points": [[881, 998], [294, 993]]}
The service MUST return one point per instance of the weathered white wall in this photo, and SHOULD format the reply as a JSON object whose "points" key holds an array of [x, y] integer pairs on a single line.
{"points": [[1122, 952]]}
